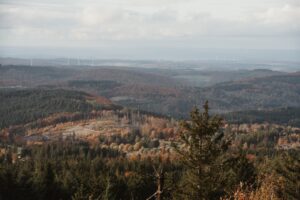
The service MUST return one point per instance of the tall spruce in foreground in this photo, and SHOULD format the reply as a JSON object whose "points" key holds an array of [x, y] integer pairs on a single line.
{"points": [[203, 145], [288, 167]]}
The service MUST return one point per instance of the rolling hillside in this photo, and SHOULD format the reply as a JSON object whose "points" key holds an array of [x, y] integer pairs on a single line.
{"points": [[289, 116], [23, 106], [250, 94], [159, 91]]}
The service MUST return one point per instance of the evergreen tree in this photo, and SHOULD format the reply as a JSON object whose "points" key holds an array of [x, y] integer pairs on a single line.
{"points": [[49, 186], [288, 167], [80, 194], [237, 169], [203, 144]]}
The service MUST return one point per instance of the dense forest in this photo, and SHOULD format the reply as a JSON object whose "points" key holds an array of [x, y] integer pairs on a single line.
{"points": [[289, 116], [27, 105], [205, 163], [166, 91]]}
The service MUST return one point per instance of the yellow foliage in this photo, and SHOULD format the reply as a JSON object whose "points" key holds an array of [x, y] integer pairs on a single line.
{"points": [[269, 188]]}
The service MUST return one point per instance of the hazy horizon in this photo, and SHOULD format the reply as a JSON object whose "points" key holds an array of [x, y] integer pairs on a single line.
{"points": [[151, 53], [131, 29]]}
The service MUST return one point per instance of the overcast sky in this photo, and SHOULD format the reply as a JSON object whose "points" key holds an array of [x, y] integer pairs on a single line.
{"points": [[160, 28]]}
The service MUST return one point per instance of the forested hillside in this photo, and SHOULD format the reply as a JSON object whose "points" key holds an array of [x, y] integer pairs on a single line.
{"points": [[258, 93], [129, 155], [286, 116], [161, 91], [27, 105], [28, 76]]}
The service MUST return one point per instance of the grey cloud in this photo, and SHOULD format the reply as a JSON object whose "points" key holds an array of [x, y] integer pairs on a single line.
{"points": [[49, 22]]}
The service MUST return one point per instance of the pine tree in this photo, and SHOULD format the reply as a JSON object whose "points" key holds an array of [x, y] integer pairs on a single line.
{"points": [[288, 167], [80, 194], [203, 144]]}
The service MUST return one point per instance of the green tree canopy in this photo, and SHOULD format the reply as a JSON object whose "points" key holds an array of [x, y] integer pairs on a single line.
{"points": [[203, 144]]}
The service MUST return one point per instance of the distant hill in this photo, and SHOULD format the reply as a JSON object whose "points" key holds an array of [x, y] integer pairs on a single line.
{"points": [[256, 93], [37, 76], [249, 94], [27, 76], [161, 91], [284, 116], [205, 78]]}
